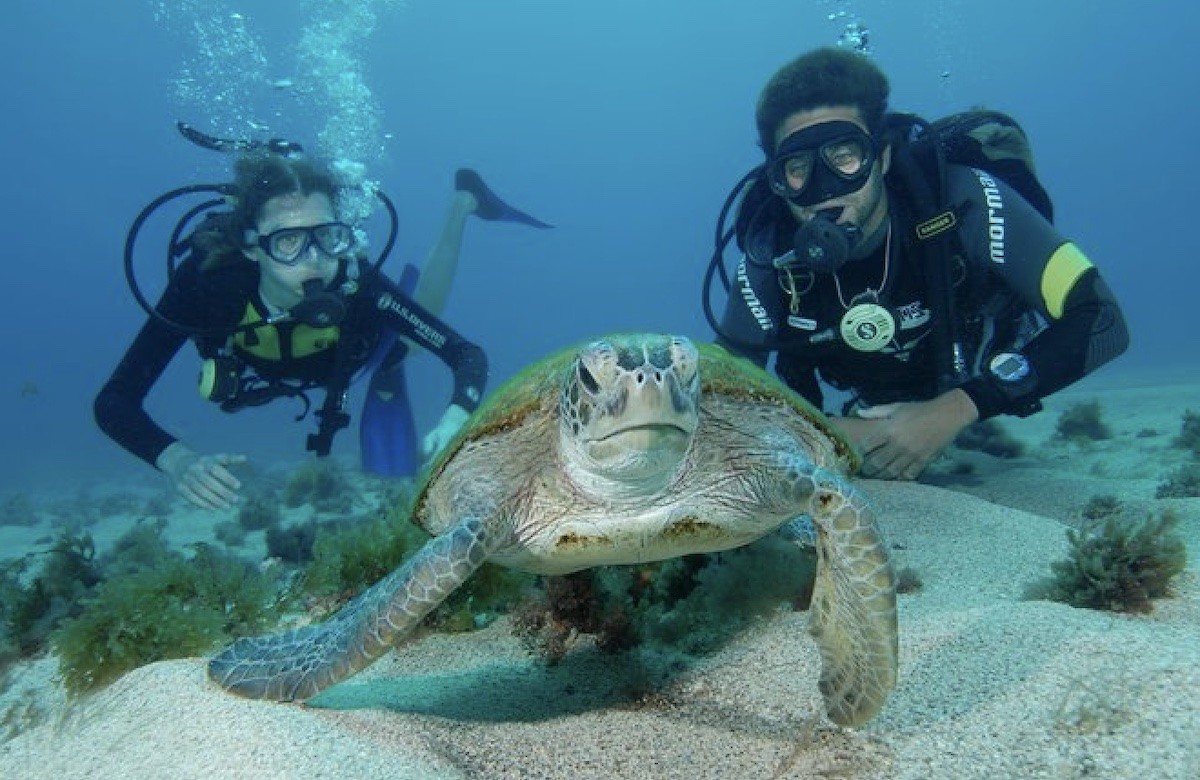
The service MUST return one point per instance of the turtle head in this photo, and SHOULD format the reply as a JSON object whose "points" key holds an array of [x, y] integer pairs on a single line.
{"points": [[629, 409]]}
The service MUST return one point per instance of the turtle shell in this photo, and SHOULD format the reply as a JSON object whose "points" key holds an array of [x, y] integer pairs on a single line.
{"points": [[723, 373], [535, 390]]}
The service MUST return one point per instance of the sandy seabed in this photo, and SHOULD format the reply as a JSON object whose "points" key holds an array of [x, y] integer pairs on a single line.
{"points": [[991, 685]]}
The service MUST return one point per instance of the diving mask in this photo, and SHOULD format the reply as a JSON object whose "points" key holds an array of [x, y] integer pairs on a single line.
{"points": [[288, 245], [822, 162]]}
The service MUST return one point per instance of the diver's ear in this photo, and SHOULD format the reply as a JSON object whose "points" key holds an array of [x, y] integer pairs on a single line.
{"points": [[886, 159]]}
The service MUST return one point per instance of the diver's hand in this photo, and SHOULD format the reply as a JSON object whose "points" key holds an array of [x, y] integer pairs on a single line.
{"points": [[441, 435], [202, 479], [899, 440]]}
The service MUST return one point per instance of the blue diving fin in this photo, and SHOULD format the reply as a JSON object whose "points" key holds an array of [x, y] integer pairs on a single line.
{"points": [[491, 207], [387, 432]]}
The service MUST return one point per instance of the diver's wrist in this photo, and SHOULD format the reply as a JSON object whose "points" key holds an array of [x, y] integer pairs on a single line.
{"points": [[172, 455]]}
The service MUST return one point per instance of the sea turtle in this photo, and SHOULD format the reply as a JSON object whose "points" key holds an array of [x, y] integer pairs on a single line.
{"points": [[631, 448]]}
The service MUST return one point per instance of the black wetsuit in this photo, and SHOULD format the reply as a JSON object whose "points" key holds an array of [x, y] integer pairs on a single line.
{"points": [[1066, 323], [224, 297]]}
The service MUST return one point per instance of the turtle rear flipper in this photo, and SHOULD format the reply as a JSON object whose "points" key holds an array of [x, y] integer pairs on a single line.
{"points": [[299, 664], [853, 613]]}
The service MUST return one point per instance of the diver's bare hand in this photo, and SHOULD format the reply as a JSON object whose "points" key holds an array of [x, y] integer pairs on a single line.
{"points": [[444, 431], [203, 480], [898, 441]]}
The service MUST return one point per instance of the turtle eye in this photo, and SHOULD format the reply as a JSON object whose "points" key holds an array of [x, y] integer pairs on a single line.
{"points": [[587, 380]]}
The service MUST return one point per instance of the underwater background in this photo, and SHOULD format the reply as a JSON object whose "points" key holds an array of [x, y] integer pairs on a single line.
{"points": [[624, 123]]}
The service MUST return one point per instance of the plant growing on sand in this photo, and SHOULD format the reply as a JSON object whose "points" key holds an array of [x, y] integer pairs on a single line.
{"points": [[320, 483], [69, 569], [1083, 423], [908, 580], [989, 437], [347, 558], [1184, 482], [1101, 506], [178, 608], [229, 533], [259, 511], [1189, 434], [694, 604], [292, 543], [1117, 564]]}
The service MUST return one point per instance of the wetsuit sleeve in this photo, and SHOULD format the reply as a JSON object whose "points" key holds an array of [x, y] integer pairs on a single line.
{"points": [[119, 406], [208, 300], [465, 359], [1050, 276]]}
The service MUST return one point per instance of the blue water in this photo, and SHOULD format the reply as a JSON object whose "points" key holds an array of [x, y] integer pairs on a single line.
{"points": [[622, 122]]}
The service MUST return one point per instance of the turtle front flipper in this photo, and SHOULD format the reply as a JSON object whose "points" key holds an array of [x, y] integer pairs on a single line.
{"points": [[853, 613], [300, 663]]}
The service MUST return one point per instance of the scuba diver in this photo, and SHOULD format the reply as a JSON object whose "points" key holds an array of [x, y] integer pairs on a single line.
{"points": [[912, 266], [280, 298]]}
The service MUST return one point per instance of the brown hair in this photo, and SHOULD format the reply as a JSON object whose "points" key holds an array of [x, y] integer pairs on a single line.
{"points": [[823, 77], [259, 176]]}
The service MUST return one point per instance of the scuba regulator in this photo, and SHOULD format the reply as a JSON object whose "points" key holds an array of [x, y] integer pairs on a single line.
{"points": [[821, 245], [321, 306]]}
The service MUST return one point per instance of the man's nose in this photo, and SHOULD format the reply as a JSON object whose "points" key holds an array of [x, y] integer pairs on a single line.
{"points": [[314, 255]]}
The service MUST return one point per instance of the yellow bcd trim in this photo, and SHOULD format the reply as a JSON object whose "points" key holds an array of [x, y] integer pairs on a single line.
{"points": [[1066, 265], [306, 340]]}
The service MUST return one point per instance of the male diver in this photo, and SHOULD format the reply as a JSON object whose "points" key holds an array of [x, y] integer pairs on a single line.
{"points": [[934, 294]]}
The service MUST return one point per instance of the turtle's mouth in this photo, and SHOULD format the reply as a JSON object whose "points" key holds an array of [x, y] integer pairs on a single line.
{"points": [[651, 430], [641, 456]]}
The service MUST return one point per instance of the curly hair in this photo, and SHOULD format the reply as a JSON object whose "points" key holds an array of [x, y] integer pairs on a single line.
{"points": [[259, 176], [823, 77]]}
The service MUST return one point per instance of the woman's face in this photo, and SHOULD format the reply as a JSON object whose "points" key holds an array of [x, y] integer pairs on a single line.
{"points": [[282, 285]]}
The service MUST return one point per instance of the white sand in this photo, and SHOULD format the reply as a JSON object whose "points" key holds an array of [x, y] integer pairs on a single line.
{"points": [[991, 686]]}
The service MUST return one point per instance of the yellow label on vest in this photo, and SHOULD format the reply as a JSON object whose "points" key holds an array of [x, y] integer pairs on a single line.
{"points": [[936, 225]]}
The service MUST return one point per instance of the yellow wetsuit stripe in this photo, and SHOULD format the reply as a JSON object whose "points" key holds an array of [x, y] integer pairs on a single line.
{"points": [[1066, 265]]}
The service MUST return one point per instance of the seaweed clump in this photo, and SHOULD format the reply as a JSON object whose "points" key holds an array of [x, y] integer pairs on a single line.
{"points": [[32, 611], [142, 602], [694, 604], [347, 558], [178, 608], [259, 512], [1184, 482], [1189, 434], [322, 484], [1082, 423], [1101, 506], [989, 437], [1118, 564]]}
